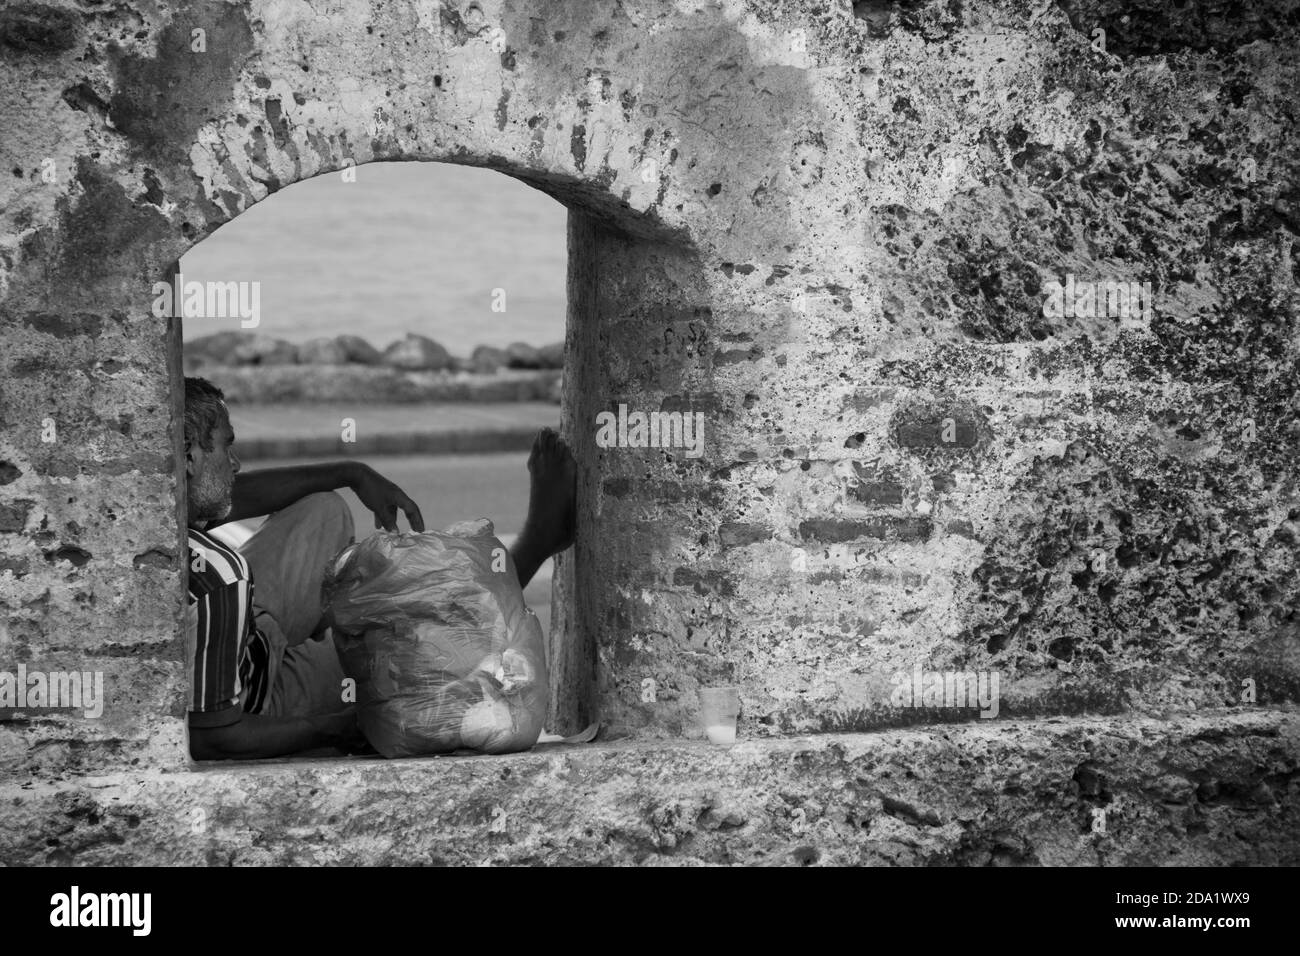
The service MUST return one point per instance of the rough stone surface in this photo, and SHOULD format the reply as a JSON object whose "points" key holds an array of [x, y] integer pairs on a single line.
{"points": [[416, 353], [1202, 790], [240, 348], [828, 229], [486, 358], [358, 350], [523, 355], [322, 351]]}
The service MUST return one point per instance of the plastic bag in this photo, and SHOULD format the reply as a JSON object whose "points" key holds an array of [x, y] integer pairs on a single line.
{"points": [[434, 630]]}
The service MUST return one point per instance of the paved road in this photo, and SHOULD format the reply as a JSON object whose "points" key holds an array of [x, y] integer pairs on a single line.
{"points": [[450, 488]]}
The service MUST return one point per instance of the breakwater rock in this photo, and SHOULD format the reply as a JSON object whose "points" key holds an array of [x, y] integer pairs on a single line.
{"points": [[414, 353], [370, 384], [252, 368]]}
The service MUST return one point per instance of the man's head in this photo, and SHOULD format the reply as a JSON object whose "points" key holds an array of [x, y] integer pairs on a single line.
{"points": [[210, 463]]}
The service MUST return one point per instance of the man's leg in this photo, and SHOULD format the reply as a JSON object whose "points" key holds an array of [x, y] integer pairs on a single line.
{"points": [[310, 681], [549, 527], [288, 556]]}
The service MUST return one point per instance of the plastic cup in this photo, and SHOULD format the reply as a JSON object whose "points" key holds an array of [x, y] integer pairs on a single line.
{"points": [[719, 707]]}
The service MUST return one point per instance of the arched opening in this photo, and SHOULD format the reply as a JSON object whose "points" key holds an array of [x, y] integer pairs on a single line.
{"points": [[632, 281], [410, 316]]}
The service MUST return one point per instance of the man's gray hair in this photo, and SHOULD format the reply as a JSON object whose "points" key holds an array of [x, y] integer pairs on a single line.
{"points": [[204, 410]]}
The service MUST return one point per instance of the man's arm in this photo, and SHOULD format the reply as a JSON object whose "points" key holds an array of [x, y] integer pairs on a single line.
{"points": [[263, 492], [268, 490], [254, 735]]}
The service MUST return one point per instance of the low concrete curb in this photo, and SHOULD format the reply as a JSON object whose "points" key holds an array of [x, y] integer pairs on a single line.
{"points": [[296, 430]]}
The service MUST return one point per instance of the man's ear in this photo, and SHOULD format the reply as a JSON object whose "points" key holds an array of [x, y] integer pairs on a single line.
{"points": [[191, 459]]}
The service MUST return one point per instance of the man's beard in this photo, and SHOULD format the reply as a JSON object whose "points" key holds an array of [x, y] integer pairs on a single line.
{"points": [[209, 498]]}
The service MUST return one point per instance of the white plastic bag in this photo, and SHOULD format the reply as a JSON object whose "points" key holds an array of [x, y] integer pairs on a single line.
{"points": [[445, 653]]}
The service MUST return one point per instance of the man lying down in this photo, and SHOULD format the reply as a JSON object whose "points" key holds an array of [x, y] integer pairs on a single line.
{"points": [[266, 678]]}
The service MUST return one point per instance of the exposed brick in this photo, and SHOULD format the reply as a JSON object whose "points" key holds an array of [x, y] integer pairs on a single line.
{"points": [[878, 492], [663, 491], [60, 463], [704, 581], [693, 402], [38, 28], [835, 530], [739, 533], [666, 490], [963, 527], [865, 399], [617, 487], [830, 575], [929, 432], [66, 326], [13, 517], [18, 565], [891, 577], [26, 366], [734, 356]]}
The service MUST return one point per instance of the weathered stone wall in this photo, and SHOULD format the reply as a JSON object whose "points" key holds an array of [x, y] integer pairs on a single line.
{"points": [[829, 227], [1110, 524]]}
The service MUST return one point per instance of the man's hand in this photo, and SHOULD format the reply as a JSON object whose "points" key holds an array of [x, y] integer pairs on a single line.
{"points": [[267, 490], [384, 498]]}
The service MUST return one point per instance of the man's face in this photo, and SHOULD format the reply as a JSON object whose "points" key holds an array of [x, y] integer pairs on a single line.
{"points": [[212, 475]]}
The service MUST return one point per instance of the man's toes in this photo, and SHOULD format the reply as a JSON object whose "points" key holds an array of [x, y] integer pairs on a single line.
{"points": [[549, 450]]}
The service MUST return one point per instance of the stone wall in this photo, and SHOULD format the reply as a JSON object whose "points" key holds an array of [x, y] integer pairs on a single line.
{"points": [[830, 228]]}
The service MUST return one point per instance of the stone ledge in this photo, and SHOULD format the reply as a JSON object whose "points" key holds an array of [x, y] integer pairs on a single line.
{"points": [[1216, 788]]}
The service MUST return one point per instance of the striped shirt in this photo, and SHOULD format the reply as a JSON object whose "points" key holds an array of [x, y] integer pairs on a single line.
{"points": [[228, 655]]}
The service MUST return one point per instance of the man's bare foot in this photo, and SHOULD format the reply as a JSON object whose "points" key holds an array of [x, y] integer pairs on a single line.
{"points": [[549, 527]]}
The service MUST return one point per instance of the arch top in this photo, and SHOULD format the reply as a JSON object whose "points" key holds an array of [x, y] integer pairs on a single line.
{"points": [[702, 128], [637, 118]]}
